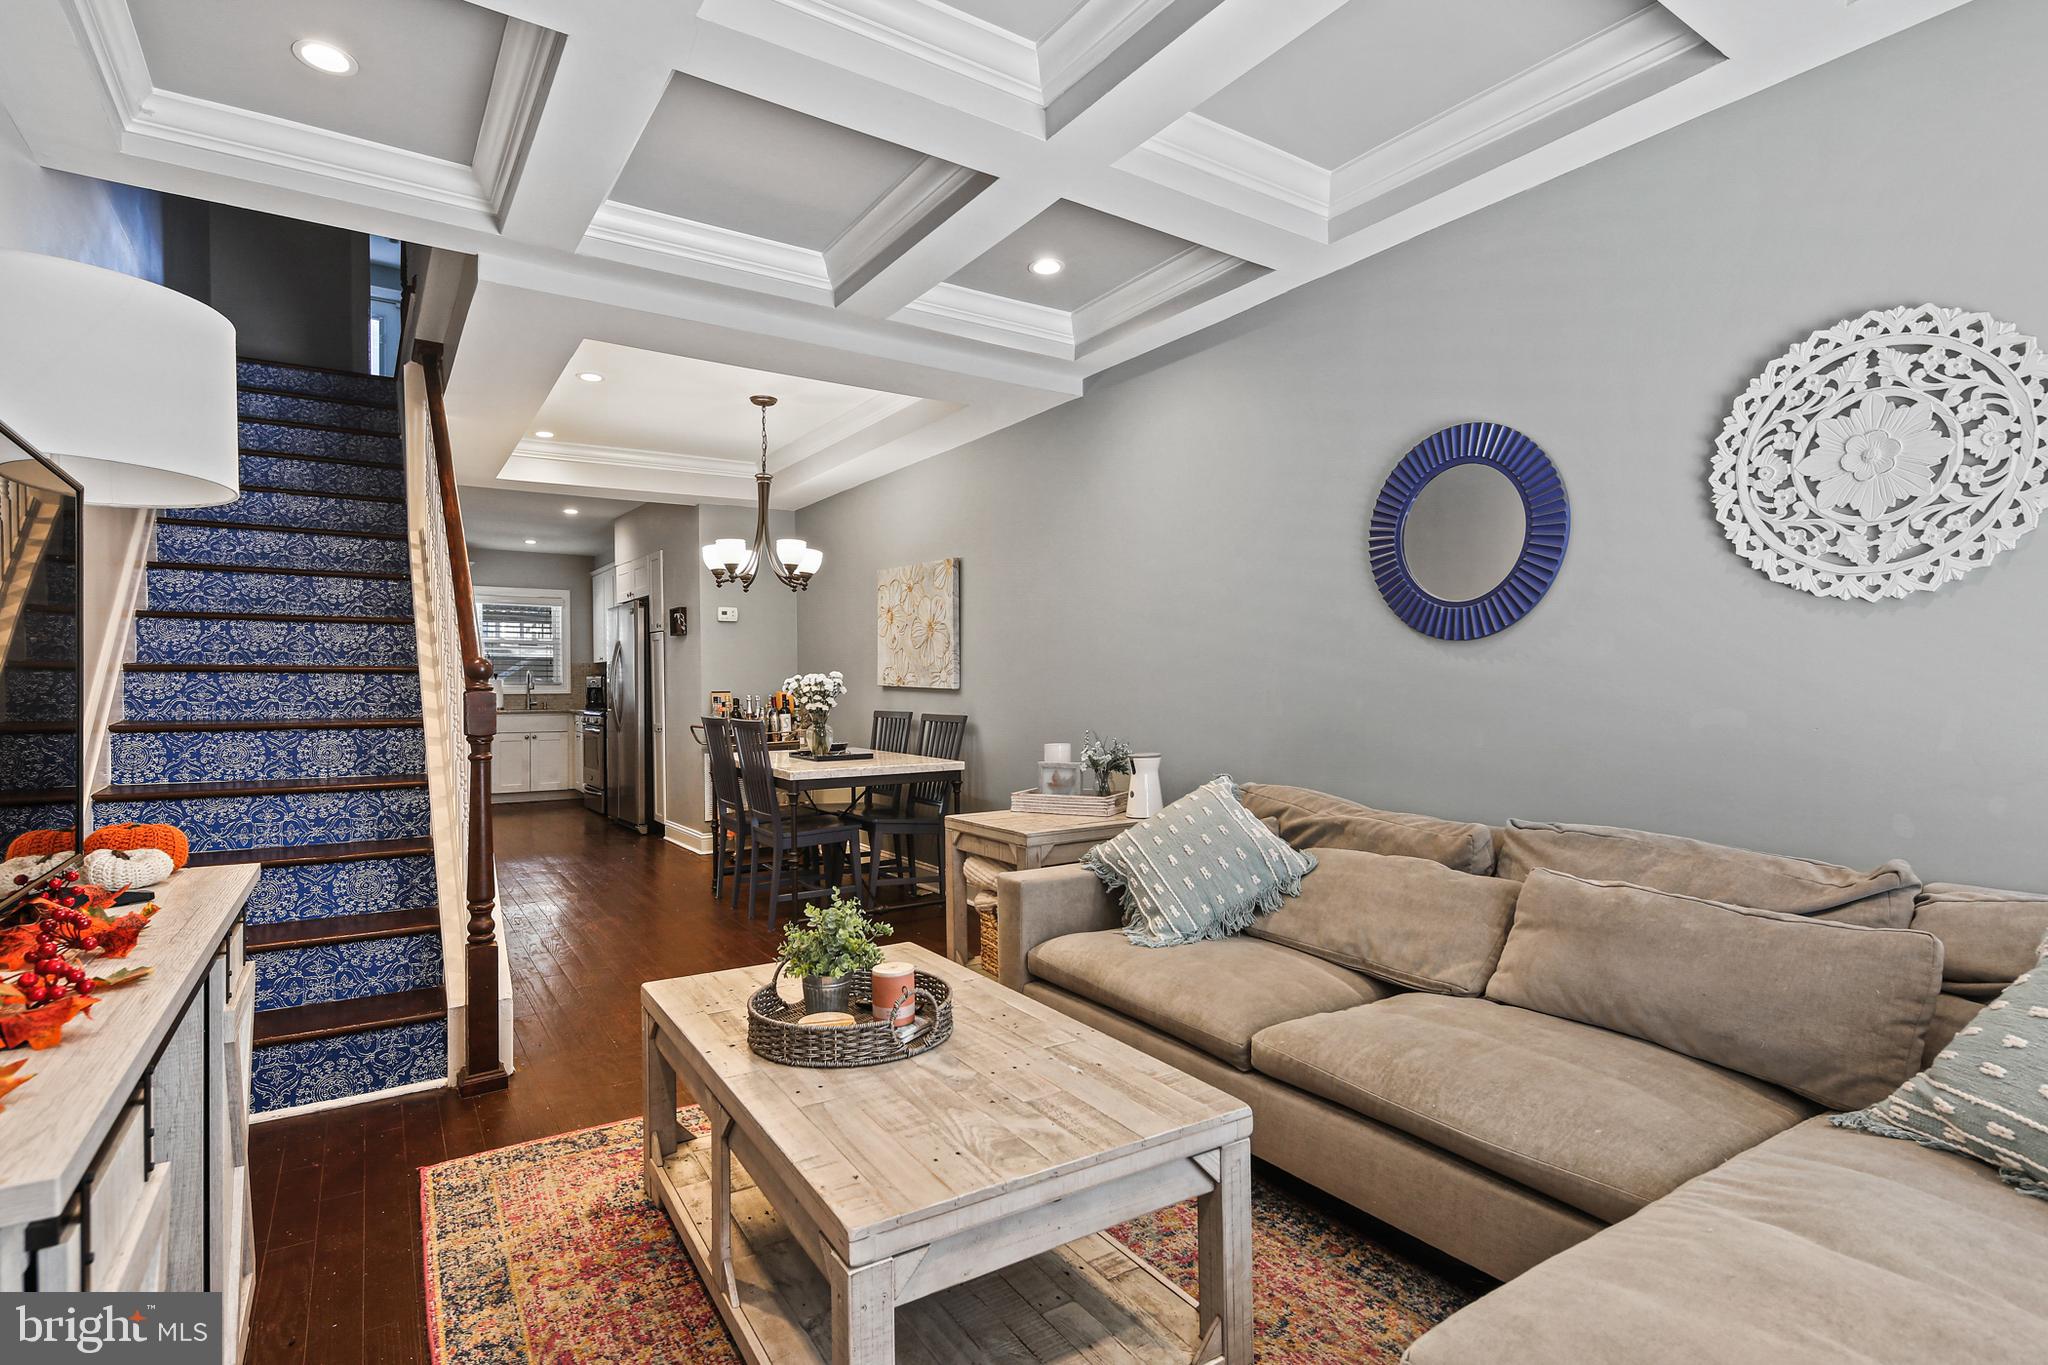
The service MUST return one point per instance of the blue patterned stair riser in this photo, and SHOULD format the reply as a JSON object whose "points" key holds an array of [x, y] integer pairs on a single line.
{"points": [[296, 819], [324, 411], [278, 549], [35, 762], [281, 439], [288, 977], [289, 471], [296, 594], [47, 635], [292, 1074], [259, 755], [357, 886], [178, 640], [202, 695], [38, 694], [366, 388], [313, 512], [21, 819]]}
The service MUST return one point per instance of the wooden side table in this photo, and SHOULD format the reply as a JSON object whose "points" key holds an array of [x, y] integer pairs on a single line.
{"points": [[1017, 840]]}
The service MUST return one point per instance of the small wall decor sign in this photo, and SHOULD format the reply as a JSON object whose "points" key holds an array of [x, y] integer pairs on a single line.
{"points": [[917, 625], [1887, 455], [678, 621]]}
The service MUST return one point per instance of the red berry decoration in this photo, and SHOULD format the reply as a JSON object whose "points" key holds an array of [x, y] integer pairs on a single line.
{"points": [[89, 942]]}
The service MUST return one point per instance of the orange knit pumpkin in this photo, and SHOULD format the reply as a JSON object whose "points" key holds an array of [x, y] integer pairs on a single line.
{"points": [[38, 842], [169, 838]]}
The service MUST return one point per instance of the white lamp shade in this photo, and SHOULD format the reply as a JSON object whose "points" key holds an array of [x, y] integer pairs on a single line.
{"points": [[713, 558], [788, 550], [731, 550], [809, 561], [128, 385]]}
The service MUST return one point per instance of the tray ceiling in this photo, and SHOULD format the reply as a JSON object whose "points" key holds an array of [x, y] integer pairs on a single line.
{"points": [[852, 191]]}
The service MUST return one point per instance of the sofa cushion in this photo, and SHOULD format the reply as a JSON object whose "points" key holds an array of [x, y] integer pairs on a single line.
{"points": [[1213, 995], [1410, 921], [1882, 897], [1952, 1014], [1200, 869], [1836, 1012], [1988, 937], [1808, 1250], [1313, 819], [1985, 1095], [1595, 1120]]}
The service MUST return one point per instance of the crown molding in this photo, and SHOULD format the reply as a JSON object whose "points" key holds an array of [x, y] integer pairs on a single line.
{"points": [[630, 457], [1090, 34], [944, 37], [169, 125], [1618, 53], [980, 316], [907, 203], [685, 239], [519, 85], [1211, 160], [1178, 274]]}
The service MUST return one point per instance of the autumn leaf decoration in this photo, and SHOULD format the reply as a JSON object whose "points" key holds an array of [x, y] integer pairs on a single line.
{"points": [[10, 1077], [43, 1026]]}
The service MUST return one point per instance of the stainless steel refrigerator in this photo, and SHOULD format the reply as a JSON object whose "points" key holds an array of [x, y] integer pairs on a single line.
{"points": [[629, 724]]}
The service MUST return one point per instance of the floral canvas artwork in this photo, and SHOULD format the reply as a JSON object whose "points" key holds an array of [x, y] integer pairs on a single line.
{"points": [[917, 625]]}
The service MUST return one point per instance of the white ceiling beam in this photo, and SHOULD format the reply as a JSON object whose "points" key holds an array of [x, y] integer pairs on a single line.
{"points": [[605, 87]]}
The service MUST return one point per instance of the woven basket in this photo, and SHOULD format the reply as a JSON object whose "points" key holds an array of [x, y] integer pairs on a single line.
{"points": [[773, 1031], [984, 904]]}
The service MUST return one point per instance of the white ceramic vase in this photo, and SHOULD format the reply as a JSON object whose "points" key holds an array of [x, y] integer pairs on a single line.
{"points": [[1145, 801]]}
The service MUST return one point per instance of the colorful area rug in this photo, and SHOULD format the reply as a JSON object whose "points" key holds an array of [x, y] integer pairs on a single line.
{"points": [[547, 1252]]}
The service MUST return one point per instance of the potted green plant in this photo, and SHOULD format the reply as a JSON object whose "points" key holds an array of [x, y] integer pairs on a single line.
{"points": [[835, 940]]}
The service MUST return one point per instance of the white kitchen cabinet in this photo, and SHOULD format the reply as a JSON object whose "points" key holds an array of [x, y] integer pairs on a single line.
{"points": [[604, 595], [633, 578], [534, 752]]}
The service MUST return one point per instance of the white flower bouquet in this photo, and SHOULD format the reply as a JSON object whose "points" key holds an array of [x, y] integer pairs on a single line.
{"points": [[812, 696]]}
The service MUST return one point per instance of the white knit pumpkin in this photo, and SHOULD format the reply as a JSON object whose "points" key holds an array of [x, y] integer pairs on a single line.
{"points": [[134, 868]]}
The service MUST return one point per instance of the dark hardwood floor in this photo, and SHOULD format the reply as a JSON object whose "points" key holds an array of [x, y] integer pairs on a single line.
{"points": [[588, 912]]}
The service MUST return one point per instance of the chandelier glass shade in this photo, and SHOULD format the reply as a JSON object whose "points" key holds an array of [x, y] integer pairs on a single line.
{"points": [[732, 560]]}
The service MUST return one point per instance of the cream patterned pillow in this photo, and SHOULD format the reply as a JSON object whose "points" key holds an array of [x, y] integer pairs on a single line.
{"points": [[1199, 869], [1986, 1094]]}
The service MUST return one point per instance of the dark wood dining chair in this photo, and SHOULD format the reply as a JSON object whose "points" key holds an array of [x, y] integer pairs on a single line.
{"points": [[891, 733], [729, 830], [799, 839], [919, 812]]}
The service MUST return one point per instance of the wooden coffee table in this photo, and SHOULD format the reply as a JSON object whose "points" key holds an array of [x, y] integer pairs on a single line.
{"points": [[968, 1187]]}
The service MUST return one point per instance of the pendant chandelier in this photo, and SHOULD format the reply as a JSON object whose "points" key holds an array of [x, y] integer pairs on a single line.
{"points": [[732, 560]]}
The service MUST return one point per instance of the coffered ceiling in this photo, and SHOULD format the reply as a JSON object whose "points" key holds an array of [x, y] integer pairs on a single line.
{"points": [[852, 192]]}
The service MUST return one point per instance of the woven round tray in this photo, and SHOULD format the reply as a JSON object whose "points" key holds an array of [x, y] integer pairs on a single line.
{"points": [[773, 1031]]}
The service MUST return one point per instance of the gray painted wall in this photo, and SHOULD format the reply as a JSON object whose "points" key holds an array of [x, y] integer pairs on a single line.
{"points": [[1179, 557], [755, 653], [531, 569], [76, 217], [296, 292]]}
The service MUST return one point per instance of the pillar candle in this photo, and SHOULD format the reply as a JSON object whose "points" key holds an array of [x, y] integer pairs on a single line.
{"points": [[1059, 753], [895, 993]]}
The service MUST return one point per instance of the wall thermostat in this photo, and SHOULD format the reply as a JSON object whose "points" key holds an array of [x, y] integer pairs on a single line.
{"points": [[728, 613]]}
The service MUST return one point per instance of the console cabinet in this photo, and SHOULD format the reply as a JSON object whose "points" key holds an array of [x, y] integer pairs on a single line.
{"points": [[124, 1162]]}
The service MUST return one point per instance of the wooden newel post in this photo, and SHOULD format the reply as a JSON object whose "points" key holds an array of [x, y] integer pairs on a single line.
{"points": [[485, 1068]]}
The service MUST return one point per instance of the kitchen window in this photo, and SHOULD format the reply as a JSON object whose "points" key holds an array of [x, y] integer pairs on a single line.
{"points": [[525, 634]]}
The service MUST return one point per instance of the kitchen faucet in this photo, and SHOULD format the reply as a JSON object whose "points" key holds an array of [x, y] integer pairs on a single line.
{"points": [[529, 689]]}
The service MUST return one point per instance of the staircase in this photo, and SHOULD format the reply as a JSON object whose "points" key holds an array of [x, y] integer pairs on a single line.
{"points": [[272, 712]]}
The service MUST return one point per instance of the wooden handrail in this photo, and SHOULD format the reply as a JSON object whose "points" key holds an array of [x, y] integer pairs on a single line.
{"points": [[483, 1066]]}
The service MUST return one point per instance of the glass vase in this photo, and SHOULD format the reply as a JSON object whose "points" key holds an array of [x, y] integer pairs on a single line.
{"points": [[818, 737]]}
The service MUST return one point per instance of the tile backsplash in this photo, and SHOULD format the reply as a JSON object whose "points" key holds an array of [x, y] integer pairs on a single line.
{"points": [[514, 699]]}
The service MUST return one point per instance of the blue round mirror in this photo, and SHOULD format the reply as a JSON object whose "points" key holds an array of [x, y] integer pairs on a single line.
{"points": [[1469, 531]]}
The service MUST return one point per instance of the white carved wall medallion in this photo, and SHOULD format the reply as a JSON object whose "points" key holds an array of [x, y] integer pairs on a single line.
{"points": [[1887, 455]]}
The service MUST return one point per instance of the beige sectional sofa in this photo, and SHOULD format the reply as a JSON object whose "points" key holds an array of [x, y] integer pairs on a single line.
{"points": [[1595, 1063]]}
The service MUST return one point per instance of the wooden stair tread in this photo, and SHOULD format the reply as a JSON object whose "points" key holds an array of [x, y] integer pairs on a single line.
{"points": [[373, 404], [244, 358], [271, 668], [281, 570], [317, 459], [298, 1023], [136, 727], [321, 492], [294, 855], [311, 933], [280, 786], [247, 419], [279, 616], [39, 796], [277, 528]]}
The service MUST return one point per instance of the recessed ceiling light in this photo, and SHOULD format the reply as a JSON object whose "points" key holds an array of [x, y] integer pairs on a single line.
{"points": [[544, 435], [591, 377], [532, 542], [1048, 265], [323, 56], [569, 511]]}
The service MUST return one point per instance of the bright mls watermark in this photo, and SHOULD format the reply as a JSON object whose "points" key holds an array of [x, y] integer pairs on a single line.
{"points": [[163, 1329]]}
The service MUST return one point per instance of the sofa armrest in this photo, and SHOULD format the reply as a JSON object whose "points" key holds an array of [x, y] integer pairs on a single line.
{"points": [[1044, 903]]}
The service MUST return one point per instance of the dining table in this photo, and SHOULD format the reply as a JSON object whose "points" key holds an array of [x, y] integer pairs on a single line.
{"points": [[872, 768]]}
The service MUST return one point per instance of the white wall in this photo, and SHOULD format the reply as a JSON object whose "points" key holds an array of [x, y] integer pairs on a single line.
{"points": [[116, 226], [1179, 557]]}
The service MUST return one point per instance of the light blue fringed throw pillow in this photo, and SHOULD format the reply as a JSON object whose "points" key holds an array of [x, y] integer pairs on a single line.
{"points": [[1986, 1093], [1199, 869]]}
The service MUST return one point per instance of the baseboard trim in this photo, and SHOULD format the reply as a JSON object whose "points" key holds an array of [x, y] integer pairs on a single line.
{"points": [[515, 798], [369, 1097], [697, 841]]}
